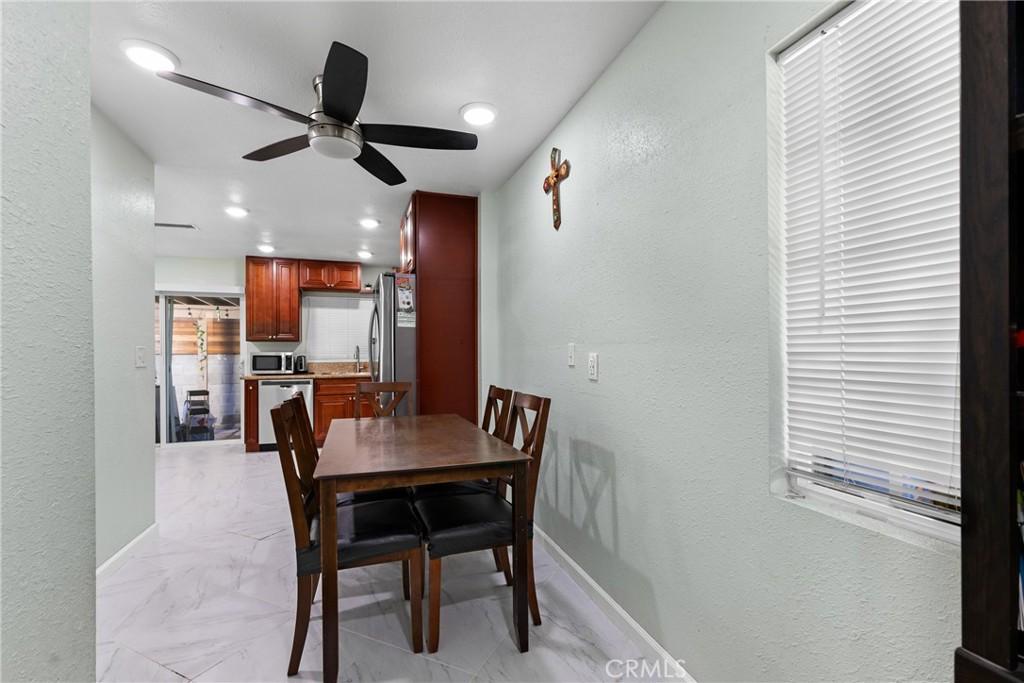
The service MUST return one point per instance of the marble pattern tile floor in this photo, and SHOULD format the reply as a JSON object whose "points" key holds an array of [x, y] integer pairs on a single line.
{"points": [[210, 596]]}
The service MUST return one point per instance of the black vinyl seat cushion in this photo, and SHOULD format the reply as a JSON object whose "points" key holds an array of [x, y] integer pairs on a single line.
{"points": [[365, 530], [349, 497], [462, 524], [454, 488]]}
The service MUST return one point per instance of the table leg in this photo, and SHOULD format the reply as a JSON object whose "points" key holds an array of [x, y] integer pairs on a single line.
{"points": [[329, 569], [520, 556]]}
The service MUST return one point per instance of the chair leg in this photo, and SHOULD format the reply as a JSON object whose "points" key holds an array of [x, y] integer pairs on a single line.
{"points": [[434, 606], [416, 588], [315, 581], [303, 603], [501, 560], [405, 579], [531, 586]]}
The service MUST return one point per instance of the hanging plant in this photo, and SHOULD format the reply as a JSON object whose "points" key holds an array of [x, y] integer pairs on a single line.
{"points": [[201, 354]]}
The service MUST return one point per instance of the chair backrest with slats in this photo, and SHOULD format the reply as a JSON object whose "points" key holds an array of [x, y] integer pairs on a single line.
{"points": [[497, 408], [398, 390], [532, 434], [297, 465], [305, 426]]}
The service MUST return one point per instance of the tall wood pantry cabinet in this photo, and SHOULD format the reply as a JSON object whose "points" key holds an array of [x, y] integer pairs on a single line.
{"points": [[438, 242]]}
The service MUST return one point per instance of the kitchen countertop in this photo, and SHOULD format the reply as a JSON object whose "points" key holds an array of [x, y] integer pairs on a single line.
{"points": [[309, 375]]}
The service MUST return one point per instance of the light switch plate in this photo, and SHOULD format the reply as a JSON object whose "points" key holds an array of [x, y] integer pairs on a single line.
{"points": [[572, 355], [592, 366], [140, 356]]}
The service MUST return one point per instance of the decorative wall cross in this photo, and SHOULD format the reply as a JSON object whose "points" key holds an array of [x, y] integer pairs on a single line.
{"points": [[559, 172]]}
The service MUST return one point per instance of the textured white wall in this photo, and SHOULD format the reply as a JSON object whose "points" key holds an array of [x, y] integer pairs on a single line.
{"points": [[47, 520], [656, 477], [200, 275], [122, 255]]}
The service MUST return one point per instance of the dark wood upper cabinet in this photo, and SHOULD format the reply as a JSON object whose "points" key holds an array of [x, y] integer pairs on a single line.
{"points": [[260, 302], [273, 307], [289, 301], [330, 276]]}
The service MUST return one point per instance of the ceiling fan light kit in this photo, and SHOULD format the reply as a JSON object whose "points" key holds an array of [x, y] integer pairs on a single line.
{"points": [[332, 128], [149, 56], [478, 113]]}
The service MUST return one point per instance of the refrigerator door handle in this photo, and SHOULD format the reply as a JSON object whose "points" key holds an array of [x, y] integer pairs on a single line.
{"points": [[374, 345]]}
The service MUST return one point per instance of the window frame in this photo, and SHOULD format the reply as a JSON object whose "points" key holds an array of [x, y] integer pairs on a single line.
{"points": [[844, 504]]}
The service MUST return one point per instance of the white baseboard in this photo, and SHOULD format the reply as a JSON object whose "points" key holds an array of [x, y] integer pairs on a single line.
{"points": [[614, 611], [118, 558]]}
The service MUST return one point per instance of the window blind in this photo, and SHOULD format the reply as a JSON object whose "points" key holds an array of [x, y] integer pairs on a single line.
{"points": [[870, 107], [336, 325]]}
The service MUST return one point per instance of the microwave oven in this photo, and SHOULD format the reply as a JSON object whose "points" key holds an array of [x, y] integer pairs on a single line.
{"points": [[271, 363]]}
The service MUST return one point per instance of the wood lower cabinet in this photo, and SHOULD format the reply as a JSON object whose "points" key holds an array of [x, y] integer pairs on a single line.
{"points": [[251, 402], [273, 304], [330, 276], [335, 399]]}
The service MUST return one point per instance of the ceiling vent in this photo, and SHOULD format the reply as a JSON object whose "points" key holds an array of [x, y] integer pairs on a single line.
{"points": [[177, 226]]}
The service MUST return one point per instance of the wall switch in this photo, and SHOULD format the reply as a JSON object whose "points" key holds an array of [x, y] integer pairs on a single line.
{"points": [[592, 366], [140, 356], [572, 355]]}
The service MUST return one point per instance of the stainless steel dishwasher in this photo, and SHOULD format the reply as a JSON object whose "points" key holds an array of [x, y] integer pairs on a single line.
{"points": [[273, 392]]}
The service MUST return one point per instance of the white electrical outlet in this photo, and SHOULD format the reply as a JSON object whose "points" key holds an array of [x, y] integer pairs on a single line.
{"points": [[572, 355], [140, 356], [592, 366]]}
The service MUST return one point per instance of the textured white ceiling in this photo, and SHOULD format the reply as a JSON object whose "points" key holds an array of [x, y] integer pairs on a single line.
{"points": [[533, 60]]}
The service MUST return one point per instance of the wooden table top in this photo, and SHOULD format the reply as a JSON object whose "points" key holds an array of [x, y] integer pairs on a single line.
{"points": [[375, 447]]}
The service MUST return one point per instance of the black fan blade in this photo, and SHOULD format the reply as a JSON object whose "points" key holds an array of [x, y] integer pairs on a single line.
{"points": [[417, 136], [232, 96], [279, 148], [344, 82], [377, 164]]}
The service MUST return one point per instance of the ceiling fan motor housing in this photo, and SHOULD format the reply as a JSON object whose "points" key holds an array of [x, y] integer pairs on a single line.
{"points": [[329, 136]]}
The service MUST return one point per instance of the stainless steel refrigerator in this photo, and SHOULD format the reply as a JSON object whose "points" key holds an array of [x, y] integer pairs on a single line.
{"points": [[392, 341]]}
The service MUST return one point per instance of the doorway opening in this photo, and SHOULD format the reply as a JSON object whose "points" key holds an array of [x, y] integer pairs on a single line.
{"points": [[201, 359]]}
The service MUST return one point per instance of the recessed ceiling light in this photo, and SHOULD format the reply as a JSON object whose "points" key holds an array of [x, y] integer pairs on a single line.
{"points": [[369, 223], [266, 248], [236, 211], [478, 113], [364, 254], [149, 56]]}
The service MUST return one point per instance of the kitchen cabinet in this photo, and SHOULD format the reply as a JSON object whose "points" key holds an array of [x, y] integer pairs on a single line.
{"points": [[439, 243], [251, 418], [331, 276], [335, 399], [273, 306]]}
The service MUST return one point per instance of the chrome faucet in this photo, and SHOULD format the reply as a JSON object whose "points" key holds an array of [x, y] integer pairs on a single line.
{"points": [[357, 360]]}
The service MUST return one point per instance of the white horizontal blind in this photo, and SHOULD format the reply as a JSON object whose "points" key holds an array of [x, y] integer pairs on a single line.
{"points": [[870, 210], [336, 325]]}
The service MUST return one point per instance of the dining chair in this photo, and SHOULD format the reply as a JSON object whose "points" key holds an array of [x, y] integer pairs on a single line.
{"points": [[469, 522], [375, 390], [497, 409], [373, 532]]}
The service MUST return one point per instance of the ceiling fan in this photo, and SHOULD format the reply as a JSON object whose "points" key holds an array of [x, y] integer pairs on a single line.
{"points": [[332, 128]]}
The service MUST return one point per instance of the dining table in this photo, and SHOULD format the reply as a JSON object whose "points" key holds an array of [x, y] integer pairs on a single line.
{"points": [[393, 452]]}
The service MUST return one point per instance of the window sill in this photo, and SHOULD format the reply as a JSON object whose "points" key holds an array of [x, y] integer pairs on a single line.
{"points": [[898, 524]]}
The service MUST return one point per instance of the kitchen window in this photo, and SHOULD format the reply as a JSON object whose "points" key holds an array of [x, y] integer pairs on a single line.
{"points": [[336, 326], [864, 185]]}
